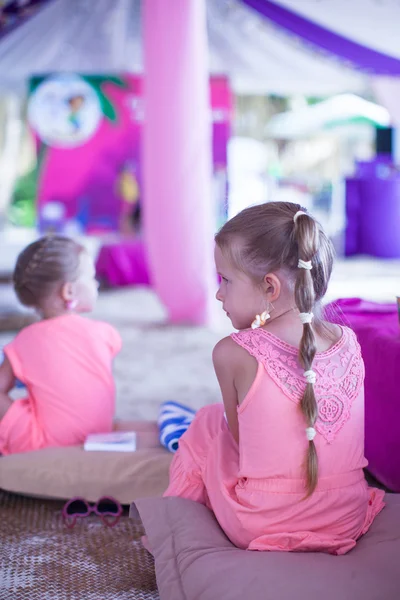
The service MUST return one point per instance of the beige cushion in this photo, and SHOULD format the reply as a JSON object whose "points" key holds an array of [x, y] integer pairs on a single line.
{"points": [[194, 559], [67, 472]]}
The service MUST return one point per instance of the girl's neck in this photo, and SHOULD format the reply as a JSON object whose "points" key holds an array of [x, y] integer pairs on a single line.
{"points": [[47, 316], [52, 312], [282, 314], [285, 324]]}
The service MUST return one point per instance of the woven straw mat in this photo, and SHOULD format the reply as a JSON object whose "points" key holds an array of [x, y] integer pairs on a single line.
{"points": [[40, 559]]}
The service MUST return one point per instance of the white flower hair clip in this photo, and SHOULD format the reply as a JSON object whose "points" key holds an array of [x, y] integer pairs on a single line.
{"points": [[260, 320]]}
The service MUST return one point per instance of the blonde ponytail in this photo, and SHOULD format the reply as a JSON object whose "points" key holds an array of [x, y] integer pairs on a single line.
{"points": [[307, 238]]}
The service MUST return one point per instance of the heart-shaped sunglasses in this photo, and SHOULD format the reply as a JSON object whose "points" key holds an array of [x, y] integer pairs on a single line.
{"points": [[107, 508]]}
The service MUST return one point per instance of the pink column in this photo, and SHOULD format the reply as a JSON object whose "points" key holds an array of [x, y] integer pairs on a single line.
{"points": [[178, 209]]}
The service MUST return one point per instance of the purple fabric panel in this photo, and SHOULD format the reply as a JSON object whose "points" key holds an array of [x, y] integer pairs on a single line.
{"points": [[378, 331], [380, 217], [373, 217], [357, 54]]}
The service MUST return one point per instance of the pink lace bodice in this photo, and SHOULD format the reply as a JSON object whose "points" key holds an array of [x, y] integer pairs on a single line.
{"points": [[340, 374]]}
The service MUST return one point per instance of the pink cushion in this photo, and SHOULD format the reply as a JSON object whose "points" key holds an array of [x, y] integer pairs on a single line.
{"points": [[195, 561], [377, 329], [123, 263]]}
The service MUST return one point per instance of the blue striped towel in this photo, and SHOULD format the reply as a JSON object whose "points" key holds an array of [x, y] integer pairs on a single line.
{"points": [[173, 420]]}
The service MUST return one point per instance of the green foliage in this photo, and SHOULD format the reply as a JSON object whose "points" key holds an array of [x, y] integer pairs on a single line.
{"points": [[22, 210]]}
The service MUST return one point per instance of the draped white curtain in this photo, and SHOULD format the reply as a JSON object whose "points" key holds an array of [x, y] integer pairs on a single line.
{"points": [[261, 58], [372, 23], [83, 36], [104, 37]]}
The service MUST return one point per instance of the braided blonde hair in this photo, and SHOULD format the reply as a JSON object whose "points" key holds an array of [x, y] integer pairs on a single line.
{"points": [[44, 264], [265, 238], [306, 236]]}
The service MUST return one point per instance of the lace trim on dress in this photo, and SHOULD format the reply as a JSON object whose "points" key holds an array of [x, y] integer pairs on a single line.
{"points": [[340, 374]]}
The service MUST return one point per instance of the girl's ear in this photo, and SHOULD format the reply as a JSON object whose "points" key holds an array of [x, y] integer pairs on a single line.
{"points": [[67, 292], [272, 287]]}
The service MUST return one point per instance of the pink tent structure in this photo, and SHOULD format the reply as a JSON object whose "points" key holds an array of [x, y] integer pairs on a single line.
{"points": [[177, 158], [279, 46]]}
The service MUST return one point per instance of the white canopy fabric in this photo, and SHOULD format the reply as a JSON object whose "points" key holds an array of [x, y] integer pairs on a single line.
{"points": [[105, 37], [372, 23], [73, 35], [259, 58]]}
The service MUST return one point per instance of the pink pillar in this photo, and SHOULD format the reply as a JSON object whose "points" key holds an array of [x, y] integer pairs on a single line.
{"points": [[178, 209]]}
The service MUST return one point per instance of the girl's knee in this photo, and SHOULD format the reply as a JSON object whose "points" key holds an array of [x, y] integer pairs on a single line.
{"points": [[210, 418]]}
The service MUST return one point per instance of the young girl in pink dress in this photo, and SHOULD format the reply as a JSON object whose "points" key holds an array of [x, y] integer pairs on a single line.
{"points": [[64, 360], [284, 469]]}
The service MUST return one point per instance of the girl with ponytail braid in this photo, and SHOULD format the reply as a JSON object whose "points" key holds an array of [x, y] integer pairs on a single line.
{"points": [[280, 461]]}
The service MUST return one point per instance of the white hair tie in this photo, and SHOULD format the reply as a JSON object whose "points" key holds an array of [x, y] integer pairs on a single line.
{"points": [[306, 317], [311, 376], [305, 264], [310, 433], [297, 215]]}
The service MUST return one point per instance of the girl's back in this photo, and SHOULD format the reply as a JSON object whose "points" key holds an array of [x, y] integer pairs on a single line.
{"points": [[272, 440], [256, 488], [66, 363]]}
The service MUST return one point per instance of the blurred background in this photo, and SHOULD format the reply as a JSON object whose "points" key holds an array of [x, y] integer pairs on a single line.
{"points": [[303, 100]]}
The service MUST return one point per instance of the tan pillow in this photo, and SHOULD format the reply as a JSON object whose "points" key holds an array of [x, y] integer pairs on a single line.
{"points": [[194, 559], [63, 473]]}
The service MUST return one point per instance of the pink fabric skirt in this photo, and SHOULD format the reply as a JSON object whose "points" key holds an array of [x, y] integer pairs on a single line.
{"points": [[268, 514], [19, 431]]}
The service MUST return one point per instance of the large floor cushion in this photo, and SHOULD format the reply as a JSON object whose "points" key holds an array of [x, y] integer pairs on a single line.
{"points": [[377, 329], [195, 561], [67, 472]]}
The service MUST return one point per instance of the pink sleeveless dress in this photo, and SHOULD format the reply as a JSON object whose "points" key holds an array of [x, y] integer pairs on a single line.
{"points": [[66, 365], [256, 489]]}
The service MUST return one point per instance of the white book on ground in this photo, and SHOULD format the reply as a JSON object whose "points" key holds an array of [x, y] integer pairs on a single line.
{"points": [[115, 441]]}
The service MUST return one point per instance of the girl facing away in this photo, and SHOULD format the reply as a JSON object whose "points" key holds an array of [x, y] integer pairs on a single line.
{"points": [[283, 468], [64, 360]]}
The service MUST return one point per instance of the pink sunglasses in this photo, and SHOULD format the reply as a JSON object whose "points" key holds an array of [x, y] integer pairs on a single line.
{"points": [[107, 508]]}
